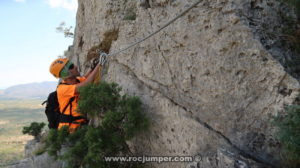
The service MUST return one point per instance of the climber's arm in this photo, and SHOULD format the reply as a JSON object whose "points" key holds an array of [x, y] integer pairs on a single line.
{"points": [[88, 73], [89, 79]]}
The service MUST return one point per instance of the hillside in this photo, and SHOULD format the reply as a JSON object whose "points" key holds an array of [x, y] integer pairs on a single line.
{"points": [[28, 91]]}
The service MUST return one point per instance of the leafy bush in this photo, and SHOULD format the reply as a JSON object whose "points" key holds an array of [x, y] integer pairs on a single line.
{"points": [[291, 32], [96, 99], [130, 14], [55, 140], [39, 151], [296, 5], [34, 129], [288, 134], [122, 119]]}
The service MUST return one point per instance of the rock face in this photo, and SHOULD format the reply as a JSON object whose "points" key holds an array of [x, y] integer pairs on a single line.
{"points": [[210, 82], [36, 161]]}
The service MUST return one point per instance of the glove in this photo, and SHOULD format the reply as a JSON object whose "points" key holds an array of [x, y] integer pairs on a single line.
{"points": [[102, 58]]}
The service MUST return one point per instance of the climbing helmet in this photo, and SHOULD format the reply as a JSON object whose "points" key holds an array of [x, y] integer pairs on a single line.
{"points": [[57, 66]]}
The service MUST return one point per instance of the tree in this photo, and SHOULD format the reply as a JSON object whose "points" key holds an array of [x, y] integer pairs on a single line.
{"points": [[65, 30], [122, 119], [34, 129]]}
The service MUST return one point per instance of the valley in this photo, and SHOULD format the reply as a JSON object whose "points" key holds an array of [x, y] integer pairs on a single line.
{"points": [[14, 115]]}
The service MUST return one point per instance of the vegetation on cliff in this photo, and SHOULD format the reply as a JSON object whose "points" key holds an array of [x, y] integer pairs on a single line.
{"points": [[34, 129], [292, 31], [121, 119], [288, 123]]}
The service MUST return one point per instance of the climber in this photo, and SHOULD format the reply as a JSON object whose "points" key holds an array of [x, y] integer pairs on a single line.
{"points": [[67, 90]]}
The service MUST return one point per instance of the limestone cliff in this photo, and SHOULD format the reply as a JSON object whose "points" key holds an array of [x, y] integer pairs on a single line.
{"points": [[210, 82]]}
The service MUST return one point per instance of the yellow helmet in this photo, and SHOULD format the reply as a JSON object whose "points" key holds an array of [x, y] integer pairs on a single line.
{"points": [[57, 66]]}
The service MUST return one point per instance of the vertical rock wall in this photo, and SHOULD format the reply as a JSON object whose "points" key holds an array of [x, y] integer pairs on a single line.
{"points": [[209, 82]]}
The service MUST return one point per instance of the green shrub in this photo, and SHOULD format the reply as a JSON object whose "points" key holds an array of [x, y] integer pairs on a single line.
{"points": [[292, 31], [288, 134], [55, 140], [34, 129], [96, 99], [122, 119], [130, 14], [296, 5], [40, 150]]}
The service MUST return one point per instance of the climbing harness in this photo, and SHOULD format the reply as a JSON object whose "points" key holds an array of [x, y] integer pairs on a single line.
{"points": [[155, 32]]}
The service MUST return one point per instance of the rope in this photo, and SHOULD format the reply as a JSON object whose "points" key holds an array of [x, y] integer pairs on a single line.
{"points": [[155, 32], [103, 54]]}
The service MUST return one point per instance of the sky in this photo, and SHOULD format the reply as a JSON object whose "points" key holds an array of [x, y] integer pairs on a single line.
{"points": [[29, 41]]}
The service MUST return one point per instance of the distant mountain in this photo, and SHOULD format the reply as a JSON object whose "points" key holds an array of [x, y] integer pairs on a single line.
{"points": [[28, 91]]}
